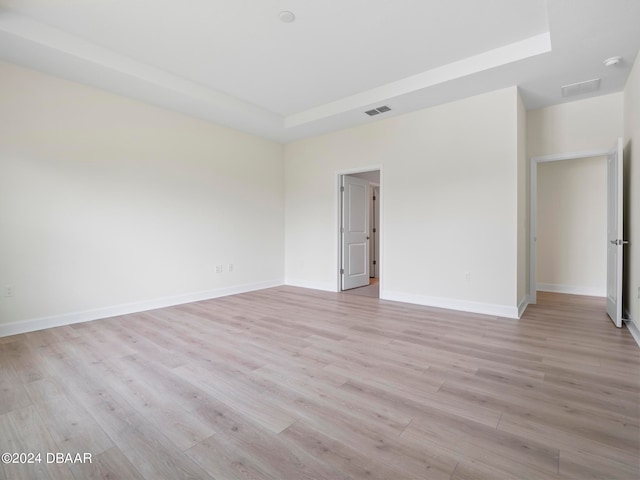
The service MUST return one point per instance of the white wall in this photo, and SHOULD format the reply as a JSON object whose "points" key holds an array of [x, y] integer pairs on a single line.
{"points": [[572, 226], [449, 203], [632, 196], [571, 220], [590, 124], [105, 201], [523, 208]]}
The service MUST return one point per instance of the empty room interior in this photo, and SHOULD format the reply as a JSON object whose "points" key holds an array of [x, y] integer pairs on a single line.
{"points": [[283, 239]]}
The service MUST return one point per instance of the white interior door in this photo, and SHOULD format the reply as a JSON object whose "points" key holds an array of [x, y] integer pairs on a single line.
{"points": [[614, 235], [355, 232]]}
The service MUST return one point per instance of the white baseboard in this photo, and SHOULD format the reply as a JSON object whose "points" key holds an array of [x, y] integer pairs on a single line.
{"points": [[453, 304], [572, 289], [32, 325], [522, 306], [632, 326], [324, 286]]}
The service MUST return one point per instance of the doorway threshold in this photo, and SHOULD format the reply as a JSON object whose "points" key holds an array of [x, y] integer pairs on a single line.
{"points": [[372, 290]]}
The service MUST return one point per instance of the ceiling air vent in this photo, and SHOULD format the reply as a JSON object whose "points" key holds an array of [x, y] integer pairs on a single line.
{"points": [[378, 110], [580, 88]]}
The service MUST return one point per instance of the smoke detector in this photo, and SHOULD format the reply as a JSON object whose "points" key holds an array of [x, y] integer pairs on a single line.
{"points": [[286, 16], [610, 62]]}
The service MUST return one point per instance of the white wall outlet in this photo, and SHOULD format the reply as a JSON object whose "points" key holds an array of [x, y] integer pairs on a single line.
{"points": [[467, 276], [218, 268], [9, 290], [230, 267]]}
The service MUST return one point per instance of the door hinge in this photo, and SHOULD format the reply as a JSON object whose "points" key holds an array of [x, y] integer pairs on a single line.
{"points": [[342, 271], [342, 230], [374, 230], [375, 263], [342, 189], [374, 198]]}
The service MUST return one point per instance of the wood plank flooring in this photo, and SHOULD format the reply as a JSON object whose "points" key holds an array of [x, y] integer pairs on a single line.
{"points": [[288, 383], [371, 290]]}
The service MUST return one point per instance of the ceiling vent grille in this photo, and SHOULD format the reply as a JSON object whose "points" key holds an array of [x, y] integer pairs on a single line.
{"points": [[377, 111], [580, 88]]}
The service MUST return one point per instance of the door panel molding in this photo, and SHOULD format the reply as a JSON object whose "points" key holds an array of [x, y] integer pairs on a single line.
{"points": [[355, 232]]}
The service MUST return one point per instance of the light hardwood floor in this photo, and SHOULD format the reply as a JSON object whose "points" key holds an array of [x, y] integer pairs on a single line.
{"points": [[288, 384], [371, 290]]}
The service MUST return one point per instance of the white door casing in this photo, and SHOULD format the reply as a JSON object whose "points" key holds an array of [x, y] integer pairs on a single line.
{"points": [[614, 235], [374, 227], [355, 232]]}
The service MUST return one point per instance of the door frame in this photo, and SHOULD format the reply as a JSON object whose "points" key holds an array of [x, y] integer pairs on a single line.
{"points": [[533, 203], [338, 222], [374, 257]]}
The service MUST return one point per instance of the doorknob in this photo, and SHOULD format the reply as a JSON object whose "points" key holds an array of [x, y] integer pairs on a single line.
{"points": [[619, 242]]}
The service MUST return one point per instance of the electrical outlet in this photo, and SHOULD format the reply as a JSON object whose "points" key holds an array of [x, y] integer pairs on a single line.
{"points": [[230, 267], [638, 292], [218, 268], [9, 290], [467, 276]]}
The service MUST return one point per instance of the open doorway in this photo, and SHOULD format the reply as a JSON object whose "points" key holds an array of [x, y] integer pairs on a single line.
{"points": [[614, 224], [359, 233], [571, 238]]}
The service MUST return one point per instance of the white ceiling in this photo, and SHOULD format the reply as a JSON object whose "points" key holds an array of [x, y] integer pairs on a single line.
{"points": [[233, 62]]}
